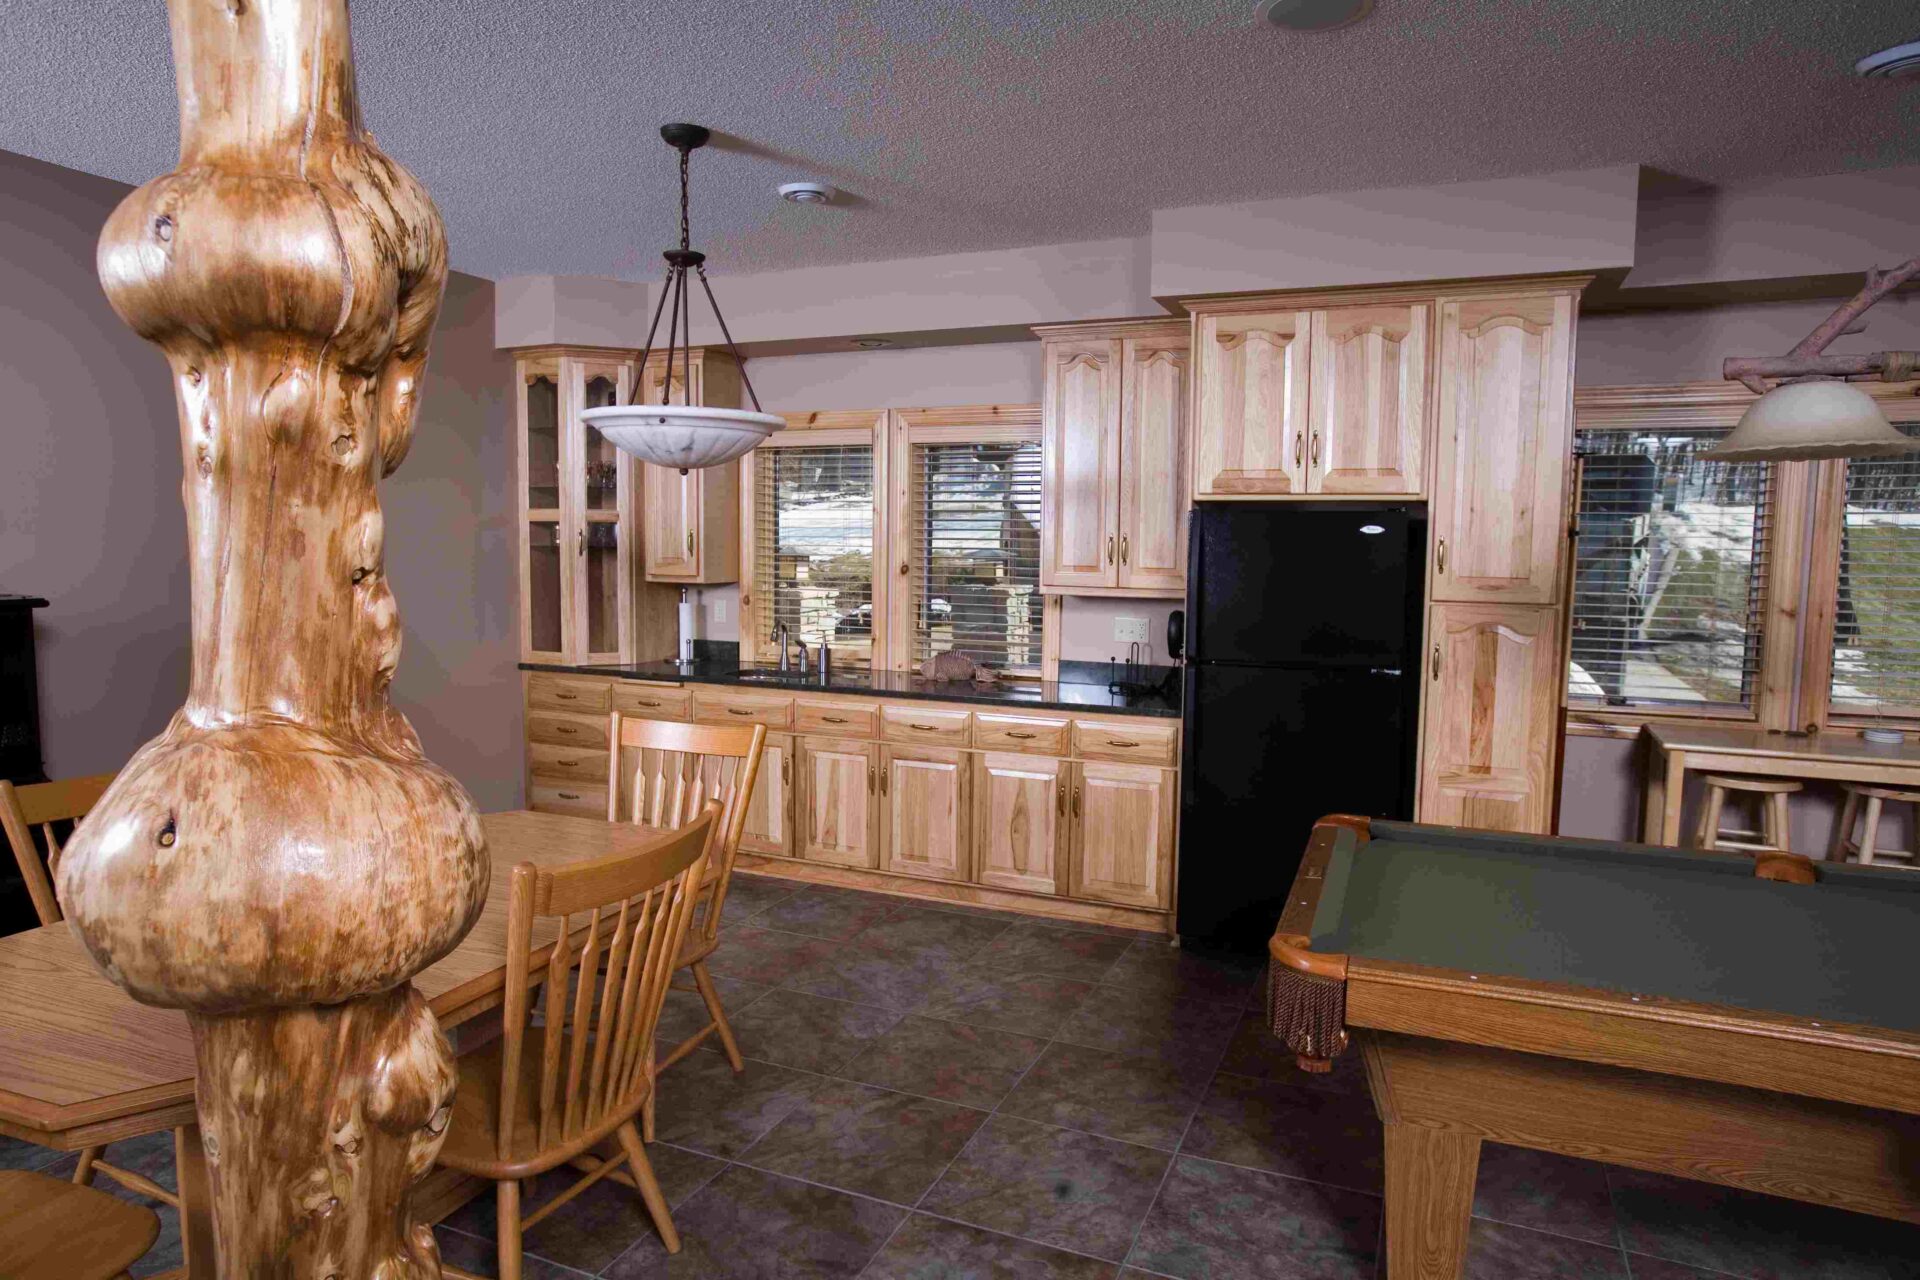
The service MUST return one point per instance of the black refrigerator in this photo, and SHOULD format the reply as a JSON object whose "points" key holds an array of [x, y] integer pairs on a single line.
{"points": [[1302, 696]]}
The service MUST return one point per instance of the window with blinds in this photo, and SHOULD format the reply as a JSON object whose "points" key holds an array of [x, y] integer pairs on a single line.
{"points": [[1670, 572], [813, 545], [1876, 618], [974, 544]]}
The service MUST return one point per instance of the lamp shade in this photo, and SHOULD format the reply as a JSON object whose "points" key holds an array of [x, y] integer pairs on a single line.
{"points": [[1807, 420], [682, 436]]}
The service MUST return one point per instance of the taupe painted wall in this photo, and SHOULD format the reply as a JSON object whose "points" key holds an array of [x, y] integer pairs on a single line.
{"points": [[90, 513]]}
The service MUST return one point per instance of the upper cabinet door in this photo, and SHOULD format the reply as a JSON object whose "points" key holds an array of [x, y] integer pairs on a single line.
{"points": [[603, 558], [1506, 416], [1153, 455], [671, 501], [1250, 432], [546, 596], [1079, 524], [1493, 699], [1369, 399]]}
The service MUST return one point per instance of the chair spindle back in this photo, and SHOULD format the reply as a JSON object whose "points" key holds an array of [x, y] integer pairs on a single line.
{"points": [[42, 805]]}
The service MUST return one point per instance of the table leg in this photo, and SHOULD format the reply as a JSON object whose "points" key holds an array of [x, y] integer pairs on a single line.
{"points": [[1655, 809], [196, 1203], [1673, 791], [1430, 1175]]}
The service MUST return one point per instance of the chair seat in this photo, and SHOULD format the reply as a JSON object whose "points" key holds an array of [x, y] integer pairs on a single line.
{"points": [[1752, 785], [473, 1133], [51, 1229], [1905, 795]]}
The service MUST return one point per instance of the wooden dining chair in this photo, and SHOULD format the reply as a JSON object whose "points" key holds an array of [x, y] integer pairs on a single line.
{"points": [[47, 807], [53, 1230], [675, 769], [524, 1108]]}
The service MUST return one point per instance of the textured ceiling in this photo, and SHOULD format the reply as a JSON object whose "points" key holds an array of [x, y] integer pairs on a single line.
{"points": [[957, 126]]}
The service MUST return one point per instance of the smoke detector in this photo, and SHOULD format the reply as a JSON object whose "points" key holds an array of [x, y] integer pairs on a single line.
{"points": [[806, 192], [1901, 60], [1314, 15]]}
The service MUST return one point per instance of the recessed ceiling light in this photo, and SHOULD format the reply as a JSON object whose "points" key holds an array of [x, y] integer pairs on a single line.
{"points": [[873, 344], [1314, 15], [1901, 60], [806, 192]]}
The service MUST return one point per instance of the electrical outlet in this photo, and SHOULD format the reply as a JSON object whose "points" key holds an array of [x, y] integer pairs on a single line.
{"points": [[1128, 630], [719, 609]]}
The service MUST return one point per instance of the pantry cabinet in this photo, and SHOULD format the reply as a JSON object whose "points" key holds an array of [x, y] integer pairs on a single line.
{"points": [[1113, 491], [693, 517]]}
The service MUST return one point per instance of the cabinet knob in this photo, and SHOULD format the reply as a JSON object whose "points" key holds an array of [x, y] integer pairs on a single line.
{"points": [[903, 567], [1440, 556]]}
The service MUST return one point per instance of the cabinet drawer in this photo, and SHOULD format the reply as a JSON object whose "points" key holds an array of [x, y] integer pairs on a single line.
{"points": [[1020, 733], [838, 719], [744, 708], [549, 763], [1132, 740], [564, 729], [566, 693], [652, 702], [911, 724], [558, 797]]}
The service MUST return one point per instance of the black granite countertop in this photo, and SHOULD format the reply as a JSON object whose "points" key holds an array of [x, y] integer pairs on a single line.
{"points": [[1083, 688]]}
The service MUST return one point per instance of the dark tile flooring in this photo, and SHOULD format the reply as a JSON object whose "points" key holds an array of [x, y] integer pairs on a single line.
{"points": [[937, 1092]]}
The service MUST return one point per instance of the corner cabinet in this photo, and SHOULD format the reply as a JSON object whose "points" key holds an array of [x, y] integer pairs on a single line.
{"points": [[1114, 431], [1494, 678], [578, 510], [693, 517]]}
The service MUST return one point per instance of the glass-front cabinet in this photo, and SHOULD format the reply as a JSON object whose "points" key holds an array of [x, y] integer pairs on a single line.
{"points": [[578, 510]]}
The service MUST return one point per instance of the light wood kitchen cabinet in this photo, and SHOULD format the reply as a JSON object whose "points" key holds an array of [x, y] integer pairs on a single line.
{"points": [[1122, 833], [924, 813], [1504, 437], [769, 825], [1250, 419], [578, 505], [1019, 821], [693, 517], [1491, 717], [1113, 492], [1368, 391], [839, 802]]}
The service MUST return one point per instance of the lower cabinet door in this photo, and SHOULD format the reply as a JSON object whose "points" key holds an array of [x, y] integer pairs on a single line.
{"points": [[1122, 825], [769, 825], [1019, 819], [839, 802], [923, 801], [1494, 678]]}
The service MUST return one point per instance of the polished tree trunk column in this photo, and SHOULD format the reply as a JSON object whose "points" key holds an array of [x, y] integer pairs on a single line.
{"points": [[282, 860]]}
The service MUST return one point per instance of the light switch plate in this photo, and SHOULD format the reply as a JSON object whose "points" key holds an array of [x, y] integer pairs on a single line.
{"points": [[1128, 630]]}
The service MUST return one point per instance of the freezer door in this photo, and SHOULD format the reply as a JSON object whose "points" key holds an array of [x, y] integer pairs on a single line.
{"points": [[1268, 752]]}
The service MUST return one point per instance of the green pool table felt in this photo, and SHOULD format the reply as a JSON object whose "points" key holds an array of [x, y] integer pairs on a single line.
{"points": [[1628, 918]]}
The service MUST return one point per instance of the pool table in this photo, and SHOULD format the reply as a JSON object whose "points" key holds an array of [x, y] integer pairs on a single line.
{"points": [[1753, 1022]]}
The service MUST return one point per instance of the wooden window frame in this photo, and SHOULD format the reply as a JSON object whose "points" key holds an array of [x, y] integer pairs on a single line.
{"points": [[1803, 556]]}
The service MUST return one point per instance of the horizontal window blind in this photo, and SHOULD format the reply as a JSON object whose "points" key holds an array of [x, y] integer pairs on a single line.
{"points": [[1670, 571], [813, 545], [1876, 621], [974, 531]]}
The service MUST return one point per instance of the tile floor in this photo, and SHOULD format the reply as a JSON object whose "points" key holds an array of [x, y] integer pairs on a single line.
{"points": [[938, 1092]]}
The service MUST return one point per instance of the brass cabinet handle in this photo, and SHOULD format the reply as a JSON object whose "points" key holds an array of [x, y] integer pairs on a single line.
{"points": [[568, 795], [786, 769], [1123, 548], [834, 719], [582, 539], [643, 702], [1023, 736], [1299, 438], [738, 711], [1109, 548], [567, 764], [870, 773], [567, 697], [1436, 662], [689, 542], [925, 728], [883, 780], [1076, 799], [1121, 742], [1440, 556], [1315, 454], [565, 728], [1063, 797]]}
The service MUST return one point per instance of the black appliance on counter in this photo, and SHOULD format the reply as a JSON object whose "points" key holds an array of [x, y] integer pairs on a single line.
{"points": [[1302, 695]]}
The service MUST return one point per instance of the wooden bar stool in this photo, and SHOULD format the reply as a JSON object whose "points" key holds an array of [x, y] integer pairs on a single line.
{"points": [[1775, 833], [1870, 799]]}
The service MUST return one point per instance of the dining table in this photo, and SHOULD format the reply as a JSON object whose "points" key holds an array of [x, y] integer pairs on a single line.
{"points": [[82, 1063]]}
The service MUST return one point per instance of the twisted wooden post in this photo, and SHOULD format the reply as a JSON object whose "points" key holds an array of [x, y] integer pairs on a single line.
{"points": [[283, 859]]}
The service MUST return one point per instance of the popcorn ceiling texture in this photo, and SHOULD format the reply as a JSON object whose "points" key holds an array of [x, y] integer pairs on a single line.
{"points": [[963, 126]]}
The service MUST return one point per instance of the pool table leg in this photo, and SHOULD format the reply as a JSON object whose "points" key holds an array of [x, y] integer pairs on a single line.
{"points": [[1430, 1175]]}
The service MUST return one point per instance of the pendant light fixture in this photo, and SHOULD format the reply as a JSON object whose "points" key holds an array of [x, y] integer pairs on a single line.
{"points": [[685, 436], [1813, 411]]}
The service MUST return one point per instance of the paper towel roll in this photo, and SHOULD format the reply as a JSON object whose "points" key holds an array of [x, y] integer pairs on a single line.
{"points": [[686, 631]]}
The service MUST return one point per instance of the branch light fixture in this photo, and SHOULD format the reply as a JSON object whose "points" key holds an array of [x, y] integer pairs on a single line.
{"points": [[1811, 410], [685, 436]]}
